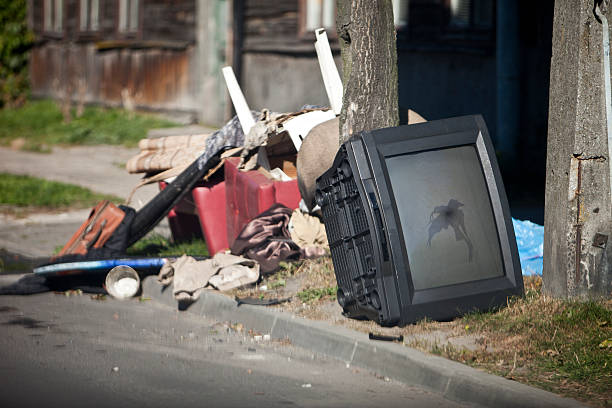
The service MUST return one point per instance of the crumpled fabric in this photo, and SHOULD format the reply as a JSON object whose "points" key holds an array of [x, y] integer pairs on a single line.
{"points": [[307, 230], [266, 239], [191, 276], [233, 276], [257, 137], [230, 135]]}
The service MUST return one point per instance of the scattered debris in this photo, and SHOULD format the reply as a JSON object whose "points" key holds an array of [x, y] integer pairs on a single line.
{"points": [[223, 271], [259, 301], [122, 282], [373, 336], [306, 385], [73, 292], [98, 296]]}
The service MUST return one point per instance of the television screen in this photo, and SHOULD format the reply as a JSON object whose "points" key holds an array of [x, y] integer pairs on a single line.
{"points": [[418, 223], [446, 220]]}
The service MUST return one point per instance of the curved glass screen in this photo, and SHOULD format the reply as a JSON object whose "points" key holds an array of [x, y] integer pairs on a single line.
{"points": [[446, 217]]}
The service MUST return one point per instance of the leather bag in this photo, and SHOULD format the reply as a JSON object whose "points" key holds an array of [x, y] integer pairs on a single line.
{"points": [[93, 233]]}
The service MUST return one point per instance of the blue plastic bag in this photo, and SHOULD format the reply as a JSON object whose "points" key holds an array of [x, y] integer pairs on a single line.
{"points": [[530, 242]]}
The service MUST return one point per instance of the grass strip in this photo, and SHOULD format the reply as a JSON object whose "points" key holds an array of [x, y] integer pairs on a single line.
{"points": [[157, 245], [314, 294], [32, 192], [39, 125]]}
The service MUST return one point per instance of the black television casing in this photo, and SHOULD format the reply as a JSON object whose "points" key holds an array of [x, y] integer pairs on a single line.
{"points": [[364, 229]]}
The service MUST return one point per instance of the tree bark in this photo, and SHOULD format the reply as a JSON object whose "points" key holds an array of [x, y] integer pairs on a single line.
{"points": [[369, 58]]}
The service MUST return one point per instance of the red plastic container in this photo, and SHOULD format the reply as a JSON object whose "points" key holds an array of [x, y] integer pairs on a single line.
{"points": [[201, 214], [250, 193], [210, 205]]}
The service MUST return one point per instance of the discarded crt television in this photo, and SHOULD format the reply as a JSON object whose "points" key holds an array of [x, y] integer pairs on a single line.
{"points": [[418, 223]]}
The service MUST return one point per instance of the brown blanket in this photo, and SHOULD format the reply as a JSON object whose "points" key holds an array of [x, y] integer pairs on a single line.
{"points": [[266, 239]]}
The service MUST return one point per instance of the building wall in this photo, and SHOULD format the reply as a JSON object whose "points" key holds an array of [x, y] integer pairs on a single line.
{"points": [[280, 70], [441, 85], [152, 68], [282, 83]]}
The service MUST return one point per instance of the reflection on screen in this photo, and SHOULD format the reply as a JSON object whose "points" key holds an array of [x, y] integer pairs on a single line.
{"points": [[446, 217]]}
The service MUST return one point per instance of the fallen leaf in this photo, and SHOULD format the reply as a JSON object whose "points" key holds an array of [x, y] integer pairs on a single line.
{"points": [[99, 296], [550, 353], [606, 344]]}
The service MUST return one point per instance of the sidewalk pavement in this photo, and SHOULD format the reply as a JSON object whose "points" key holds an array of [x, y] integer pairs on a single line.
{"points": [[100, 169]]}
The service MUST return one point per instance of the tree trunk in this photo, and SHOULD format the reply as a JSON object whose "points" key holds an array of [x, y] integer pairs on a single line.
{"points": [[367, 38]]}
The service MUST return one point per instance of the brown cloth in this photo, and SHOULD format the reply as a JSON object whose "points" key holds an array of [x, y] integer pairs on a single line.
{"points": [[223, 271], [266, 239], [307, 230]]}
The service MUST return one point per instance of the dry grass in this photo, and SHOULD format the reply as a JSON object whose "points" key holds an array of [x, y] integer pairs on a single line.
{"points": [[557, 345]]}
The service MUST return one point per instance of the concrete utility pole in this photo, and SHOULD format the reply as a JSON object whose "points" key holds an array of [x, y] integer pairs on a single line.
{"points": [[578, 217], [369, 65]]}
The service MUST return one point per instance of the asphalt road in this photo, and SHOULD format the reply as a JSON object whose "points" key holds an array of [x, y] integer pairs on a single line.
{"points": [[59, 351]]}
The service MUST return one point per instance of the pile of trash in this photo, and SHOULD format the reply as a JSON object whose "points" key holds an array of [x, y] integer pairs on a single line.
{"points": [[257, 178], [277, 235], [264, 227]]}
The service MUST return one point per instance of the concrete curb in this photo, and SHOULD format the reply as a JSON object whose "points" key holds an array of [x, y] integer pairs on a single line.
{"points": [[453, 380]]}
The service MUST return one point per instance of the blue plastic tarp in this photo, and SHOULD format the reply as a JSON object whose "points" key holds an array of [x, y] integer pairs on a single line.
{"points": [[530, 242]]}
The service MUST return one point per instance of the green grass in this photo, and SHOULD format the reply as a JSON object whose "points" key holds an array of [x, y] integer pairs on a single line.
{"points": [[40, 125], [156, 245], [313, 294], [32, 192]]}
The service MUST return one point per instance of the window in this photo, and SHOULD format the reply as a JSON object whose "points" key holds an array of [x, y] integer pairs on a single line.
{"points": [[128, 16], [471, 13], [467, 24], [322, 14], [400, 12], [53, 15], [317, 14], [89, 15], [449, 24]]}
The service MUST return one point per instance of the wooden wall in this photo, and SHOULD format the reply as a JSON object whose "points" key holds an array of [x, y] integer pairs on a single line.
{"points": [[154, 66], [273, 26], [159, 20]]}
